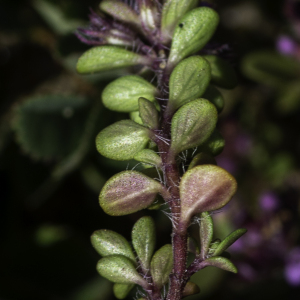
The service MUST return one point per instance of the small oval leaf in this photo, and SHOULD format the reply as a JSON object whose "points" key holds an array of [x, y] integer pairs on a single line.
{"points": [[214, 96], [192, 125], [172, 12], [188, 81], [206, 233], [148, 113], [190, 289], [143, 240], [119, 269], [222, 73], [192, 33], [104, 58], [128, 192], [221, 263], [123, 93], [149, 157], [205, 188], [121, 290], [161, 265], [214, 145], [107, 242], [122, 140], [229, 240]]}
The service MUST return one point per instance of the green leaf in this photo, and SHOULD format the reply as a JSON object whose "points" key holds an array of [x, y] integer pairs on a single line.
{"points": [[148, 113], [128, 192], [172, 12], [123, 93], [222, 73], [135, 116], [206, 233], [214, 96], [192, 33], [192, 245], [221, 263], [188, 81], [192, 125], [119, 269], [49, 127], [202, 158], [104, 58], [214, 145], [143, 240], [270, 68], [161, 265], [121, 290], [149, 157], [205, 188], [190, 289], [120, 11], [288, 100], [229, 240], [122, 140], [107, 242]]}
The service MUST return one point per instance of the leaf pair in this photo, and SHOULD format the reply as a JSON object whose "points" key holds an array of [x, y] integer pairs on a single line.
{"points": [[119, 264], [210, 251]]}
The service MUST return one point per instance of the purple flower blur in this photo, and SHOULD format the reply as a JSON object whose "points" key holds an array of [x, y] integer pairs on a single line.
{"points": [[286, 45], [292, 268], [268, 201]]}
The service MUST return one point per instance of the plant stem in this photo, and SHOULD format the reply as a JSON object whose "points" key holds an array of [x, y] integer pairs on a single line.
{"points": [[172, 180]]}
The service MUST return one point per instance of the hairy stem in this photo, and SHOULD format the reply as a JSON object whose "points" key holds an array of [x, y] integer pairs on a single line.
{"points": [[172, 180]]}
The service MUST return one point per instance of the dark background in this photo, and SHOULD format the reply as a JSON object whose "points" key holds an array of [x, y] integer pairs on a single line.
{"points": [[51, 174]]}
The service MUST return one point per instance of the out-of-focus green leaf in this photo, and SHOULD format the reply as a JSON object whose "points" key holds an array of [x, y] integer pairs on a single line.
{"points": [[121, 290], [50, 127]]}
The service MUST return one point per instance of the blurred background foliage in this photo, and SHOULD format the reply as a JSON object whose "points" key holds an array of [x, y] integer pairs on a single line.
{"points": [[51, 174]]}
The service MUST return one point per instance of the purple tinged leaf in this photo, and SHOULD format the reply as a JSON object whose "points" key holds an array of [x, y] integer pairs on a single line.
{"points": [[128, 192], [205, 188], [206, 233], [221, 263], [107, 242], [120, 269]]}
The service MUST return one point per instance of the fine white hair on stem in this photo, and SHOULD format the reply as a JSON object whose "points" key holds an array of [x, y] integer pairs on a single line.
{"points": [[136, 166], [166, 141]]}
